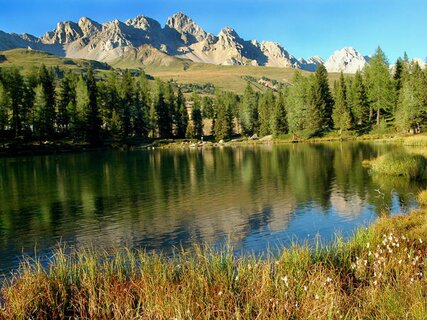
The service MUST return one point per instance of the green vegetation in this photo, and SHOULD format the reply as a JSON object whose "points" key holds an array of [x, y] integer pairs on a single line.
{"points": [[407, 165], [422, 198], [48, 103], [379, 273]]}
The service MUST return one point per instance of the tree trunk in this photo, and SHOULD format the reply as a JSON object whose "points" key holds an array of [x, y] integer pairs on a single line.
{"points": [[378, 117]]}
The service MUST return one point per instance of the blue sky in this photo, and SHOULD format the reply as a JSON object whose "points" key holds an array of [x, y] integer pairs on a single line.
{"points": [[304, 27]]}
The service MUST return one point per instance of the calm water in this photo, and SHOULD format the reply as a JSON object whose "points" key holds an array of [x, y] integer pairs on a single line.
{"points": [[255, 198]]}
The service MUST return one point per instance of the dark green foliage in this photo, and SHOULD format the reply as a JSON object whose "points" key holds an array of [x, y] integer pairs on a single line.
{"points": [[280, 124], [66, 96], [5, 105], [50, 103], [162, 100], [341, 114], [249, 111], [223, 119], [196, 117], [266, 108], [127, 97], [379, 85], [358, 101], [181, 115], [13, 83], [321, 97], [412, 104], [93, 118]]}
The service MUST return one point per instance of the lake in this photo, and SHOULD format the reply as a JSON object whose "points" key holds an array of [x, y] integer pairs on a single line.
{"points": [[252, 197]]}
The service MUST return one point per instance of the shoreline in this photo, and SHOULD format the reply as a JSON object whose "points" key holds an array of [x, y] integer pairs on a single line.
{"points": [[15, 149], [379, 271]]}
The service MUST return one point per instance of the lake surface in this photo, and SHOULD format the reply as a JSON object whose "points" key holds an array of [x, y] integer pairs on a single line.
{"points": [[253, 197]]}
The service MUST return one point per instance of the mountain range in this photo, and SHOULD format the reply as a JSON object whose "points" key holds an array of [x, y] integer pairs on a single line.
{"points": [[145, 40]]}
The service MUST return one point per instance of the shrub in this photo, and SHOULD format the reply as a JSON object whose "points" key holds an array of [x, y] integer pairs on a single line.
{"points": [[407, 165]]}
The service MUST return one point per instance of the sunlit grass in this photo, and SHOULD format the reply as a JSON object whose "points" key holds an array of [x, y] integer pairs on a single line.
{"points": [[378, 273], [399, 164]]}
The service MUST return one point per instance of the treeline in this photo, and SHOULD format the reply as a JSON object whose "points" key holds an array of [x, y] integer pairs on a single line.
{"points": [[44, 106]]}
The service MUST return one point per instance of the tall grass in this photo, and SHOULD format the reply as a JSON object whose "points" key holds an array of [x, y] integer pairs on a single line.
{"points": [[379, 273], [412, 166]]}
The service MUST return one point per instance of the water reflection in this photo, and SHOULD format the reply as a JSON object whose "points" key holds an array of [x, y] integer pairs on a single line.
{"points": [[253, 196]]}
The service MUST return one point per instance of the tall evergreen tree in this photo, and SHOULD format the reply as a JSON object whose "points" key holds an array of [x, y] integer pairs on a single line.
{"points": [[141, 122], [14, 85], [249, 111], [41, 122], [379, 85], [93, 118], [359, 103], [78, 111], [46, 80], [181, 115], [127, 103], [297, 101], [196, 117], [266, 108], [162, 110], [341, 113], [5, 108], [315, 117], [109, 103], [321, 96], [66, 96], [412, 106], [280, 123], [223, 124]]}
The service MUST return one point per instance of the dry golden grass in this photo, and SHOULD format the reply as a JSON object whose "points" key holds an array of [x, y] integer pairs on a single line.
{"points": [[378, 274]]}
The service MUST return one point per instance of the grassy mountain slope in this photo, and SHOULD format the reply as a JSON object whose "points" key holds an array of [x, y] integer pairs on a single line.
{"points": [[158, 64]]}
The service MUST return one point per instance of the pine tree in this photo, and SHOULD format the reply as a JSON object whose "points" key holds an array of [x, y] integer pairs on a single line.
{"points": [[322, 98], [359, 104], [66, 95], [280, 124], [314, 118], [297, 101], [341, 113], [93, 119], [5, 106], [141, 123], [379, 85], [411, 111], [249, 111], [196, 117], [41, 120], [162, 111], [14, 84], [46, 80], [266, 108], [223, 124], [78, 111], [127, 103], [181, 115]]}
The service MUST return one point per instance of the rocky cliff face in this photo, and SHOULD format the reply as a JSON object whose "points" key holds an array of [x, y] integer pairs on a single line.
{"points": [[347, 60], [181, 37]]}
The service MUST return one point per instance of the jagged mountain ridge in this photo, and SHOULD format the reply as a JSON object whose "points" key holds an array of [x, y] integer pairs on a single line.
{"points": [[181, 37]]}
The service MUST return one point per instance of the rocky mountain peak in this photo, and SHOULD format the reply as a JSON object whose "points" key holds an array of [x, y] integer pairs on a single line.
{"points": [[190, 31], [347, 60], [228, 38], [65, 32], [144, 23], [89, 27]]}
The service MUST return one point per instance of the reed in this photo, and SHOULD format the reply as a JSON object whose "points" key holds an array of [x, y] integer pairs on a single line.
{"points": [[378, 274]]}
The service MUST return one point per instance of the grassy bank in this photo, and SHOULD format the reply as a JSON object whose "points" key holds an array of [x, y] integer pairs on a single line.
{"points": [[379, 273]]}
